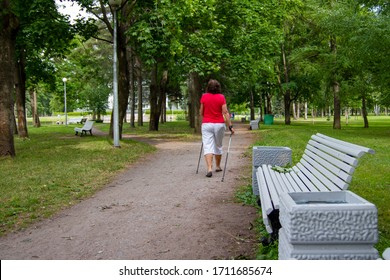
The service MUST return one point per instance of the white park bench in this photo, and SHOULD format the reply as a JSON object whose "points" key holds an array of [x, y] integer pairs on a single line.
{"points": [[86, 128], [326, 165], [79, 120]]}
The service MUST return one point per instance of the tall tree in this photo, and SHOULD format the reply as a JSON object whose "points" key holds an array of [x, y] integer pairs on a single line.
{"points": [[44, 33], [9, 26]]}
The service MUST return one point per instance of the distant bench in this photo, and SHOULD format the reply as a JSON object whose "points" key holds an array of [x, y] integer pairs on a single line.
{"points": [[326, 165], [86, 128], [79, 120]]}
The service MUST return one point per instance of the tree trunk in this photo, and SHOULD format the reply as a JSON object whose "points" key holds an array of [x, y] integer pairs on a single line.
{"points": [[138, 73], [269, 103], [34, 108], [20, 94], [336, 89], [163, 96], [337, 106], [305, 110], [287, 93], [8, 30], [364, 112], [261, 113], [195, 95], [294, 110], [131, 88], [139, 91], [287, 105], [252, 106], [153, 99]]}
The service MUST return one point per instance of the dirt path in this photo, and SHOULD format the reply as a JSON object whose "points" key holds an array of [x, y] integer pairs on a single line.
{"points": [[157, 209]]}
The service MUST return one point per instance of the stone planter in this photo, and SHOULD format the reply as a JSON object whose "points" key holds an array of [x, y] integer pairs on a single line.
{"points": [[327, 225], [272, 155], [254, 125]]}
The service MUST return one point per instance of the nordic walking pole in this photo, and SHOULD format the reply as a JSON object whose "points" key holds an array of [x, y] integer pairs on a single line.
{"points": [[227, 155], [200, 154]]}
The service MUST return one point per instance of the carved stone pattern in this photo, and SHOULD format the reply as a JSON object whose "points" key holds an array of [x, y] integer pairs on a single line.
{"points": [[267, 155], [337, 225], [275, 156], [324, 256]]}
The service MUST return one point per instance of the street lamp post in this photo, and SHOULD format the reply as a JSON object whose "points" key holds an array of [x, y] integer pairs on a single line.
{"points": [[66, 113], [115, 4]]}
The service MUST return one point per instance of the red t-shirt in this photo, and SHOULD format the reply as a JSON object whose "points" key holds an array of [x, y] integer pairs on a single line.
{"points": [[212, 107]]}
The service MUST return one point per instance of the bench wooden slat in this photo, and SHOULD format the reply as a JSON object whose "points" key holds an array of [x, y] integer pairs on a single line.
{"points": [[326, 164], [296, 182], [353, 146], [281, 186], [265, 199], [286, 182], [339, 147], [350, 160], [310, 187], [317, 162], [276, 190], [311, 173], [316, 171], [289, 184], [266, 203], [342, 161]]}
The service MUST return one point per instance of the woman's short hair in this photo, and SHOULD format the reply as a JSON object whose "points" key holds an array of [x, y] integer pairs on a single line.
{"points": [[213, 86]]}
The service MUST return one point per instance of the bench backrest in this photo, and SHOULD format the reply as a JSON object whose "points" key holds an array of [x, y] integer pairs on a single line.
{"points": [[88, 125], [329, 163]]}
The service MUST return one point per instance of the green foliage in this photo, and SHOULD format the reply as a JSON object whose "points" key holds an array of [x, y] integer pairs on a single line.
{"points": [[44, 34], [89, 73], [245, 196]]}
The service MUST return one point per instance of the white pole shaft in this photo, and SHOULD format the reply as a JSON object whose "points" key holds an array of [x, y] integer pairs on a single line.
{"points": [[115, 86], [66, 113]]}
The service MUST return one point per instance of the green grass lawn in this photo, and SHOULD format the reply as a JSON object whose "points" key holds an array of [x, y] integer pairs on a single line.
{"points": [[54, 169], [371, 179]]}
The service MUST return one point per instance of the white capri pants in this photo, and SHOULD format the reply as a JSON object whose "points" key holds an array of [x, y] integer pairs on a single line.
{"points": [[212, 136]]}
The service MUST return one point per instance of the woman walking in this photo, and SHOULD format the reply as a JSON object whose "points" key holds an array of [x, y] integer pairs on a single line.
{"points": [[214, 116]]}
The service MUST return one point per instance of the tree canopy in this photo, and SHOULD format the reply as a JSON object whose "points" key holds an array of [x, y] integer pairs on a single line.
{"points": [[331, 55]]}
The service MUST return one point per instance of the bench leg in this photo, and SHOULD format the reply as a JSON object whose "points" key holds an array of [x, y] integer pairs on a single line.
{"points": [[275, 224]]}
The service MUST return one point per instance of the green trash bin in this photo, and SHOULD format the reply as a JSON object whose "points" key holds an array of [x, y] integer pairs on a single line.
{"points": [[268, 119]]}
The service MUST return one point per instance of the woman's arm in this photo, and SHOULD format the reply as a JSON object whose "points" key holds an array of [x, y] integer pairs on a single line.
{"points": [[226, 115]]}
